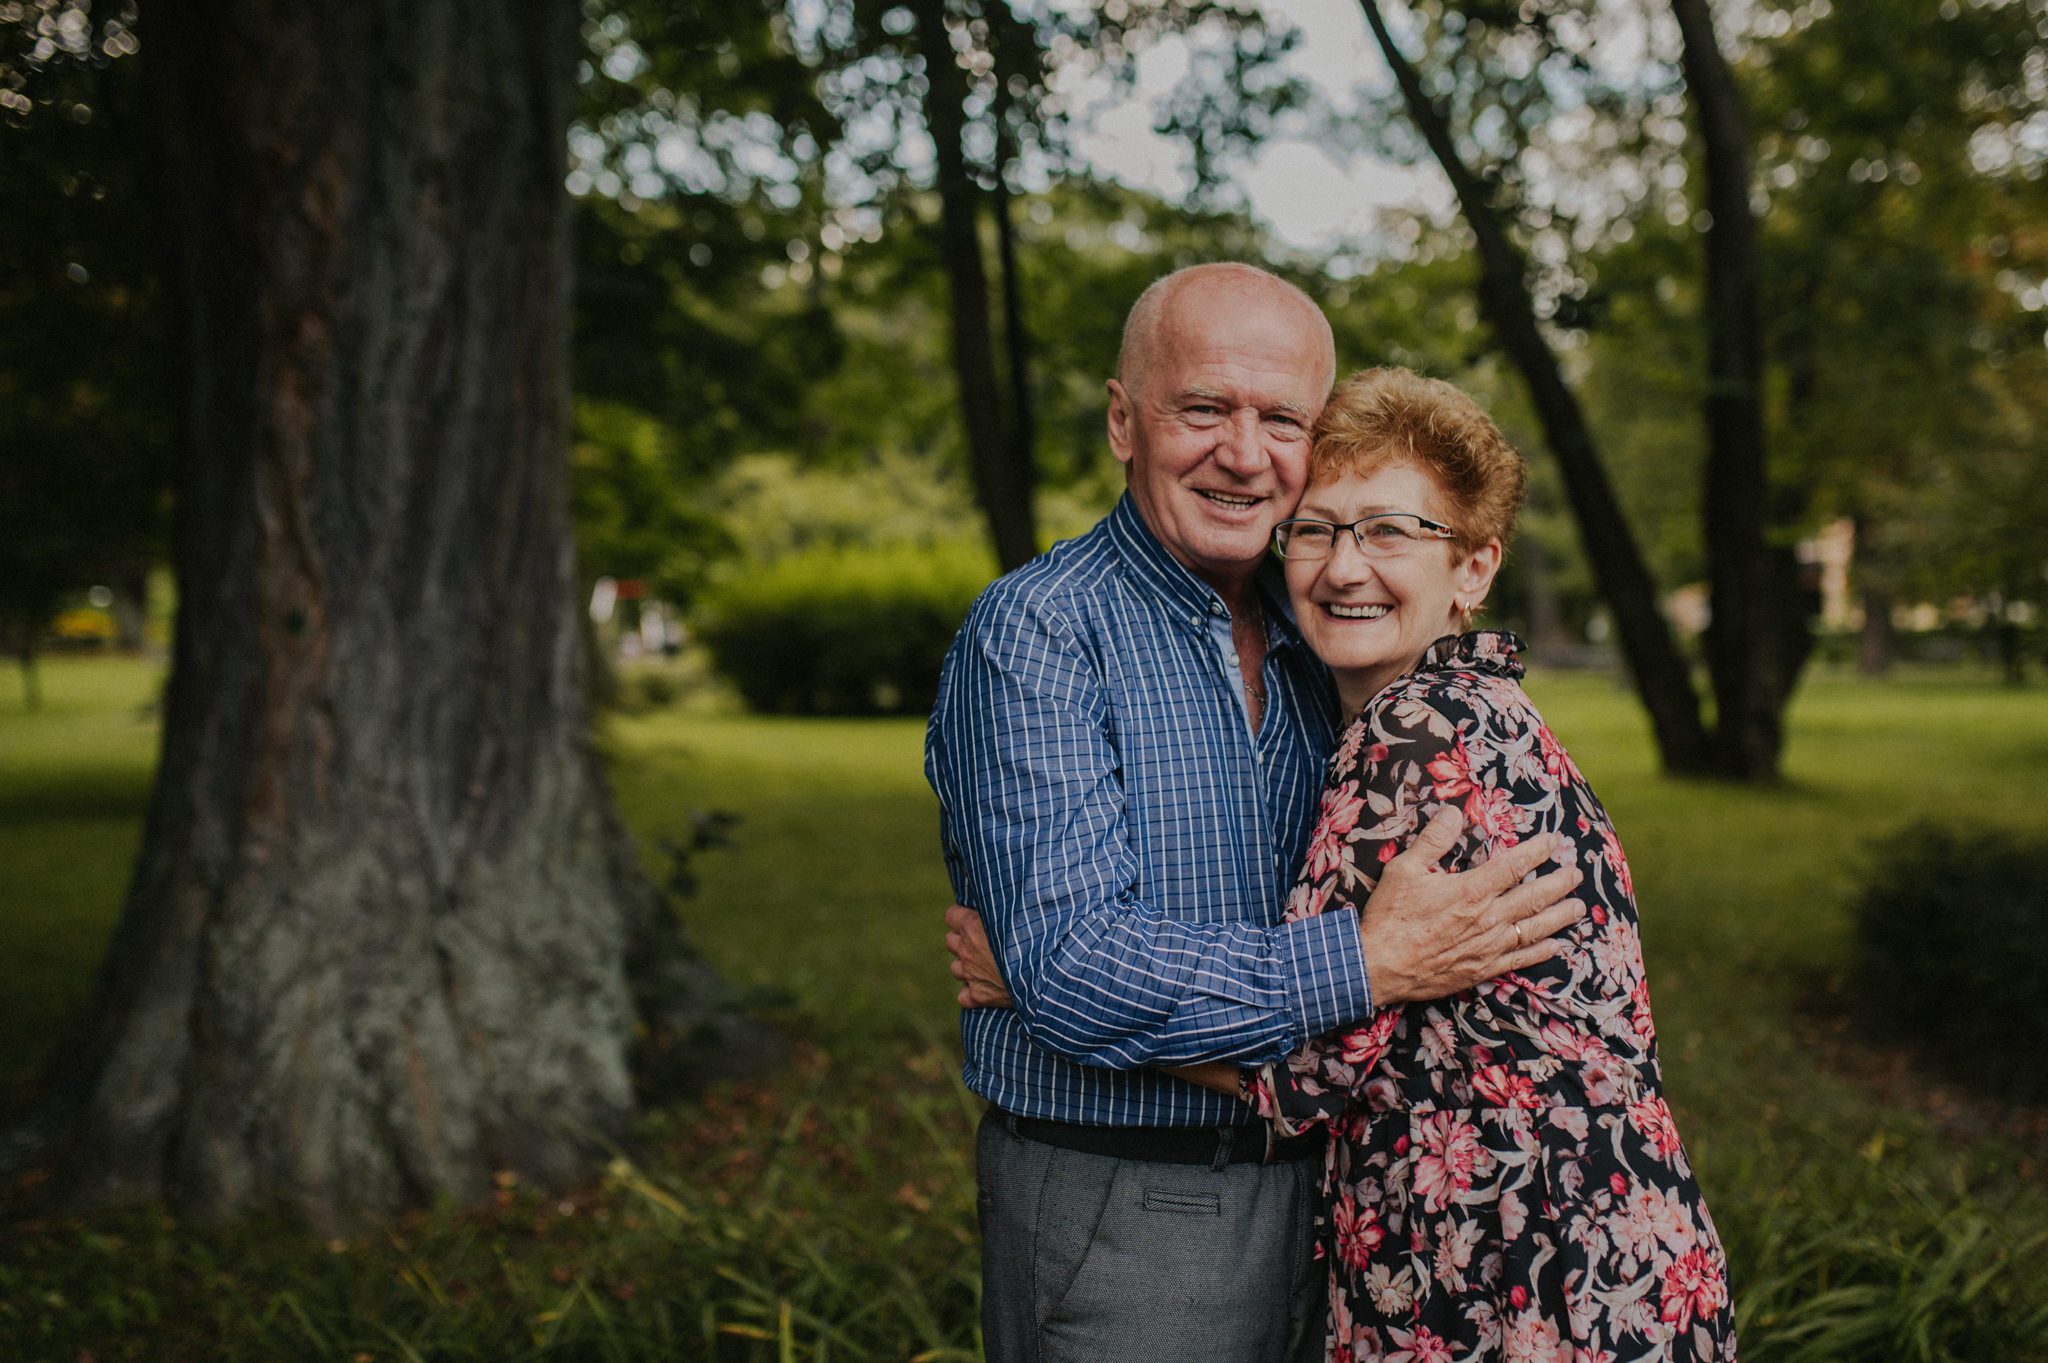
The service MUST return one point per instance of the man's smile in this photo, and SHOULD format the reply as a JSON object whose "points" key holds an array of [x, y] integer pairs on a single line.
{"points": [[1231, 501]]}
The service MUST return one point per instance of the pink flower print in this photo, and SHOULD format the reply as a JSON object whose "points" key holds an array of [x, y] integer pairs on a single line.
{"points": [[1424, 1346], [1651, 1224], [1347, 751], [1639, 1010], [1513, 1216], [1606, 1078], [1534, 1338], [1310, 899], [1615, 860], [1452, 772], [1344, 1334], [1563, 1041], [1359, 1232], [1491, 814], [1692, 1286], [1653, 1119], [1556, 760], [1451, 1154], [1340, 814], [1454, 1253], [1364, 1046], [1503, 1087]]}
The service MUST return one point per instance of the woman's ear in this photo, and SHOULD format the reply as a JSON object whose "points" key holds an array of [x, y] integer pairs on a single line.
{"points": [[1474, 574]]}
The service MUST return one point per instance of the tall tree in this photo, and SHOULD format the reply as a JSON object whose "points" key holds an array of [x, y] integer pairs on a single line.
{"points": [[1000, 465], [1905, 203], [377, 941], [1661, 674], [1743, 641]]}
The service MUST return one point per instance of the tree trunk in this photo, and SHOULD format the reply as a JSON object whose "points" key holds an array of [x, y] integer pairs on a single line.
{"points": [[31, 678], [1001, 483], [375, 946], [131, 608], [1023, 424], [1662, 677], [1549, 641], [1874, 646], [1742, 643]]}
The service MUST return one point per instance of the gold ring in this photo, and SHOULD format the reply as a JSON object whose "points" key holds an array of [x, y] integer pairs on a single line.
{"points": [[1518, 934]]}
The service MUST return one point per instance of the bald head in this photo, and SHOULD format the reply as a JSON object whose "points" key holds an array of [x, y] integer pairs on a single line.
{"points": [[1202, 292]]}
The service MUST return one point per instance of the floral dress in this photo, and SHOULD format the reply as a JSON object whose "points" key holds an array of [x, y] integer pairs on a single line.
{"points": [[1504, 1180]]}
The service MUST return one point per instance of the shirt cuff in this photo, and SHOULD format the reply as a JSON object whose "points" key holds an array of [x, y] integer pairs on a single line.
{"points": [[1326, 964]]}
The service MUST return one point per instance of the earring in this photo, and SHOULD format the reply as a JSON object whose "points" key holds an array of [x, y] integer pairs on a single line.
{"points": [[1466, 610]]}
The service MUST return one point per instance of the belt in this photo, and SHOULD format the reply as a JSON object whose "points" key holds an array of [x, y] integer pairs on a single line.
{"points": [[1215, 1146]]}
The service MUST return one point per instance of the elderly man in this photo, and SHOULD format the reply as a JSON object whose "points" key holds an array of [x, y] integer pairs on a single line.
{"points": [[1127, 749]]}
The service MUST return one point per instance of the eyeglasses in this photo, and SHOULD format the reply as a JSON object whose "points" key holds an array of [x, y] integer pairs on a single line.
{"points": [[1385, 534]]}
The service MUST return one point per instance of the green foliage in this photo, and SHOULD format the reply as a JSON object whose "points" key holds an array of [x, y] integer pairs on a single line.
{"points": [[1847, 1265], [1952, 952], [828, 1218], [843, 632], [634, 517], [773, 506]]}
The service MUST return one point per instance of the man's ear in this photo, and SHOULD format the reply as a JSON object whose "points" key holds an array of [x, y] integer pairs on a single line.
{"points": [[1123, 414]]}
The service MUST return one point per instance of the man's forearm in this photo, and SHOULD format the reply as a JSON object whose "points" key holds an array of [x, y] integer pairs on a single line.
{"points": [[1137, 990]]}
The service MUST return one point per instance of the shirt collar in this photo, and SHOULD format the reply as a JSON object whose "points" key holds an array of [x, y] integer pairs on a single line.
{"points": [[1188, 599]]}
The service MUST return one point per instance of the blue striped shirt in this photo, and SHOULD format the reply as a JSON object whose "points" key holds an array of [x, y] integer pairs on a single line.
{"points": [[1128, 841]]}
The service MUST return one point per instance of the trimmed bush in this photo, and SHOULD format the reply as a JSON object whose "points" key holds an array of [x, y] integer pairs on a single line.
{"points": [[844, 631], [1952, 954]]}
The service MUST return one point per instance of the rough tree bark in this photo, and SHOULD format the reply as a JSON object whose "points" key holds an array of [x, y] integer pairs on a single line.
{"points": [[1661, 675], [376, 943], [1750, 589], [1002, 483]]}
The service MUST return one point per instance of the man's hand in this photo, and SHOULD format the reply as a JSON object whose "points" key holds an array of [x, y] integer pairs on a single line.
{"points": [[1427, 934], [974, 965]]}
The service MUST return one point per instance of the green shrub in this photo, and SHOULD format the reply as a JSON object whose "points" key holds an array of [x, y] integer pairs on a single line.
{"points": [[1952, 954], [843, 631]]}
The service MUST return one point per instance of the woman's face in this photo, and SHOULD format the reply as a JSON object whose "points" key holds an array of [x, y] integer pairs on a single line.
{"points": [[1369, 618]]}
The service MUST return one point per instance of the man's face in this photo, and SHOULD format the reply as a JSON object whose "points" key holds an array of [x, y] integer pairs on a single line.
{"points": [[1215, 438]]}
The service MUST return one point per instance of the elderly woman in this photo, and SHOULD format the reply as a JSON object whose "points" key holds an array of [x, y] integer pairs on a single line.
{"points": [[1504, 1178]]}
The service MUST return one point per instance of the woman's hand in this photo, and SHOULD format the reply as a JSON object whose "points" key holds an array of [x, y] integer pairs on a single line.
{"points": [[974, 965]]}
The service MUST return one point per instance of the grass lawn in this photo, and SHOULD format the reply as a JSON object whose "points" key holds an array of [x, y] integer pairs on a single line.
{"points": [[833, 1203]]}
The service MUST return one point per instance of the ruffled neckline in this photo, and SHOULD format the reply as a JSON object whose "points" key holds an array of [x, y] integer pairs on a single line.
{"points": [[1491, 651]]}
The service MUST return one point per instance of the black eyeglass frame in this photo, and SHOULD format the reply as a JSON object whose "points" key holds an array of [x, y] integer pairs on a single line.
{"points": [[1435, 529]]}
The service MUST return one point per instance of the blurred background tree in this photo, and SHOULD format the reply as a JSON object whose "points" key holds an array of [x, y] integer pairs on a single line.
{"points": [[1561, 126]]}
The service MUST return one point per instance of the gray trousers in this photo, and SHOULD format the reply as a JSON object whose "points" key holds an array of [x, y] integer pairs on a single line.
{"points": [[1086, 1257]]}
